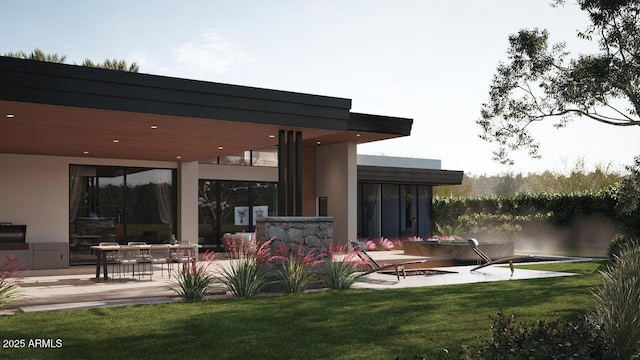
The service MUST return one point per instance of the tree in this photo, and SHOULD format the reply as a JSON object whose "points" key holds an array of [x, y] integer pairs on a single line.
{"points": [[540, 82], [577, 180], [114, 64], [39, 55], [628, 206]]}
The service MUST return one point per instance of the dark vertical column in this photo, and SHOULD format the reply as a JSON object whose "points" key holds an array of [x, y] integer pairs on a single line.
{"points": [[290, 173], [298, 209], [282, 165]]}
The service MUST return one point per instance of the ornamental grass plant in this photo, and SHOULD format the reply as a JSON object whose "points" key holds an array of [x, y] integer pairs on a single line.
{"points": [[247, 273], [8, 282], [299, 270], [342, 268], [617, 304], [192, 281]]}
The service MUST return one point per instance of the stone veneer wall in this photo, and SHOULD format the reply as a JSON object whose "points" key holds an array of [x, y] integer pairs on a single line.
{"points": [[309, 232]]}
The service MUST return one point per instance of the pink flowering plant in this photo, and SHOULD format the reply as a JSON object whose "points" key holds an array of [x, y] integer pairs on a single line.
{"points": [[8, 282], [380, 243], [246, 274], [299, 268], [342, 267], [192, 281]]}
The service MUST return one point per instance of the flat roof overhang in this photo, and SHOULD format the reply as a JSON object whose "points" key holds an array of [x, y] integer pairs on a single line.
{"points": [[393, 175], [69, 110]]}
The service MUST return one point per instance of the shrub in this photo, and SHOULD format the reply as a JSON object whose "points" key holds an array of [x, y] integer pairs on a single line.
{"points": [[617, 304], [380, 243], [342, 267], [539, 340], [246, 274], [618, 242], [298, 271], [448, 232], [8, 283], [628, 205], [192, 281]]}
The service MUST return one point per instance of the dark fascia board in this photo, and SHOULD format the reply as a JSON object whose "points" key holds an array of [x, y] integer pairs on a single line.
{"points": [[384, 174], [80, 86], [380, 124]]}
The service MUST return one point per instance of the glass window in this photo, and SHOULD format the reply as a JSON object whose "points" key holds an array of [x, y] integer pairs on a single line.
{"points": [[390, 210], [424, 211], [110, 203], [243, 158], [232, 206], [371, 211], [408, 211], [264, 200], [265, 157]]}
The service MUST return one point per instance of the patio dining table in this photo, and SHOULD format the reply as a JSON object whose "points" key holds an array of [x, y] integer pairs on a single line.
{"points": [[102, 250]]}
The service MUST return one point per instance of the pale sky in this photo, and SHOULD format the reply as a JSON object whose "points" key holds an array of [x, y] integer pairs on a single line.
{"points": [[429, 60]]}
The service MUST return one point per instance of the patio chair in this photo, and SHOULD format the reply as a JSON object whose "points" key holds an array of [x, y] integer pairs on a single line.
{"points": [[376, 266], [159, 254], [111, 256], [487, 261], [127, 257], [183, 254]]}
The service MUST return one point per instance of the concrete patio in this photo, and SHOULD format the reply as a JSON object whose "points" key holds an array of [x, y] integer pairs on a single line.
{"points": [[76, 287]]}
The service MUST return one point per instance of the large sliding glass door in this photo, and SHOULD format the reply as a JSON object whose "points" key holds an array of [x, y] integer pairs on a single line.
{"points": [[121, 204], [394, 210]]}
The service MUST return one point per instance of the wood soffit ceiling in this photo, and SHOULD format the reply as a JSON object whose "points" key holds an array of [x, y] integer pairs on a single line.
{"points": [[27, 128]]}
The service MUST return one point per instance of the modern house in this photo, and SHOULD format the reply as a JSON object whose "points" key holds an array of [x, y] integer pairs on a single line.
{"points": [[91, 155]]}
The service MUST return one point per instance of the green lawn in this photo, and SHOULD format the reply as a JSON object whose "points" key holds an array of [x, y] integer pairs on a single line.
{"points": [[357, 324]]}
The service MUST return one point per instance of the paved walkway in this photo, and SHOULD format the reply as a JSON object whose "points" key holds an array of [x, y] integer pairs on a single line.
{"points": [[76, 287]]}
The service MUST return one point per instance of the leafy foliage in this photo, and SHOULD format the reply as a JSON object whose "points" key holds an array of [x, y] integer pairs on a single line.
{"points": [[8, 282], [539, 340], [192, 282], [448, 232], [247, 274], [299, 270], [40, 55], [525, 214], [540, 82], [617, 304], [342, 267], [572, 178], [380, 243], [114, 64], [628, 205], [620, 241]]}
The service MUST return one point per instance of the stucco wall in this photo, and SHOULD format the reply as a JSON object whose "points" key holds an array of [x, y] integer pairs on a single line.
{"points": [[235, 172], [336, 178], [34, 190]]}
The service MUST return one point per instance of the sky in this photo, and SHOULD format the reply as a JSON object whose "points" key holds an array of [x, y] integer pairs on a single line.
{"points": [[428, 60]]}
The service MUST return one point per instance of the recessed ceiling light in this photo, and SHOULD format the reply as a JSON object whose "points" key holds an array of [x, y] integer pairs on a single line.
{"points": [[154, 126], [318, 142], [10, 116], [86, 153], [220, 147], [178, 157], [271, 136], [116, 140], [358, 135]]}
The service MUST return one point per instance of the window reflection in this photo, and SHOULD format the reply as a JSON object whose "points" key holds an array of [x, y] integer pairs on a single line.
{"points": [[232, 206]]}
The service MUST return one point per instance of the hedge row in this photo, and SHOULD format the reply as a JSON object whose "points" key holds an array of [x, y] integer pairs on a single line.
{"points": [[558, 210]]}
